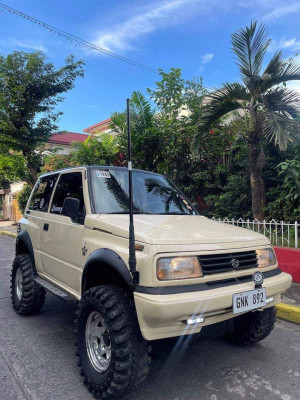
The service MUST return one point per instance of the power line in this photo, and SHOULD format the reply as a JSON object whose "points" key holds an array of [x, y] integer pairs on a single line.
{"points": [[75, 39]]}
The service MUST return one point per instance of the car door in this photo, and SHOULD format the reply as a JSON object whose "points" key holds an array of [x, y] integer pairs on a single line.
{"points": [[37, 208], [61, 237]]}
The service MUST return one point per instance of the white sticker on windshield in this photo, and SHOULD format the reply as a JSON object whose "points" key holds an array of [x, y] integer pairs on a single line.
{"points": [[103, 174]]}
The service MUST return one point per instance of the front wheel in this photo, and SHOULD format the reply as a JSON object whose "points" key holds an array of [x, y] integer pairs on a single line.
{"points": [[27, 296], [113, 356], [253, 327]]}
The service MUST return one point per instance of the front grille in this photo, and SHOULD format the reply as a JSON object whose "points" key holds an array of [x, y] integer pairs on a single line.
{"points": [[217, 263]]}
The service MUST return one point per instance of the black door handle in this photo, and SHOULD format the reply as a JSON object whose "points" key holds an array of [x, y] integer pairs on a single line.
{"points": [[46, 227]]}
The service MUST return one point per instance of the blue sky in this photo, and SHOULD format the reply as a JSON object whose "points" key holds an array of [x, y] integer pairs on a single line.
{"points": [[190, 34]]}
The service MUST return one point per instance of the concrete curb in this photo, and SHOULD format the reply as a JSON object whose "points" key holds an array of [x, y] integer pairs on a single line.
{"points": [[11, 234], [288, 312]]}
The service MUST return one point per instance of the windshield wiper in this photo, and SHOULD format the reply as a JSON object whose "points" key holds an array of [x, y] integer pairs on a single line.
{"points": [[127, 212], [118, 212], [171, 213]]}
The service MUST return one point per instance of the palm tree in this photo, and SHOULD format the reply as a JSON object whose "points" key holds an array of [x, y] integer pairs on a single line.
{"points": [[144, 135], [141, 116], [271, 109]]}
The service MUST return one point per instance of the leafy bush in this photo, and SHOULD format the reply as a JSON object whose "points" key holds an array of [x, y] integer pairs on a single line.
{"points": [[96, 152], [90, 152], [285, 204], [23, 197], [52, 162]]}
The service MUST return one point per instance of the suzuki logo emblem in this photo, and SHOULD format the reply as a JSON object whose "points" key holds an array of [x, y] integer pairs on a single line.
{"points": [[235, 263]]}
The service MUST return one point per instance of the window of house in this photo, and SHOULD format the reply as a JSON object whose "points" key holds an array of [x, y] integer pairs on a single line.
{"points": [[69, 185], [42, 193]]}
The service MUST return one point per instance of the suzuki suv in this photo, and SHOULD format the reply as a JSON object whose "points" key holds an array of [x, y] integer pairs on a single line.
{"points": [[193, 274]]}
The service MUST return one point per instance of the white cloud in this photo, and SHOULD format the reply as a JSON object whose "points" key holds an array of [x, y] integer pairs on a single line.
{"points": [[289, 43], [294, 85], [160, 15], [29, 45], [281, 11], [207, 58], [285, 44]]}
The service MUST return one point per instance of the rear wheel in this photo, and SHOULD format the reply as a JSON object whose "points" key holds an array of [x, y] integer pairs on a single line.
{"points": [[253, 327], [27, 296], [113, 356]]}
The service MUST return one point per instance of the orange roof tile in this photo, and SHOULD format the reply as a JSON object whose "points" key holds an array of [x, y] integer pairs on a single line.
{"points": [[98, 125], [67, 137]]}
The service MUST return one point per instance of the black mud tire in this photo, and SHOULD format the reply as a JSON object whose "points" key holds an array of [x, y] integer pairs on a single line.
{"points": [[130, 357], [253, 327], [33, 295]]}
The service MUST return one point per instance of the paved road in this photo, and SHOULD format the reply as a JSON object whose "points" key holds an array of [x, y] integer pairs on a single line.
{"points": [[37, 359]]}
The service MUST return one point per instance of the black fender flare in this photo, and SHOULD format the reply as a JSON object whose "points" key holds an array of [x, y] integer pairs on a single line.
{"points": [[112, 260], [23, 239]]}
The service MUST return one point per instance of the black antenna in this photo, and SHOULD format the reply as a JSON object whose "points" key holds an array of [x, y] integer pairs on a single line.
{"points": [[132, 258]]}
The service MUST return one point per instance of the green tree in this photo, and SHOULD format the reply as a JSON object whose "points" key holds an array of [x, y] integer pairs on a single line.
{"points": [[12, 165], [144, 135], [270, 107], [284, 194], [30, 89], [93, 151], [161, 135], [23, 197], [229, 194], [53, 162], [179, 106]]}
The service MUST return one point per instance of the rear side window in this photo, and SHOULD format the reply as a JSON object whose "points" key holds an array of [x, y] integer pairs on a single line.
{"points": [[42, 193], [69, 185]]}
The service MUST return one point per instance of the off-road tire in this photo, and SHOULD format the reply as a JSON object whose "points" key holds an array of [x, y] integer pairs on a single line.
{"points": [[33, 295], [253, 327], [130, 357]]}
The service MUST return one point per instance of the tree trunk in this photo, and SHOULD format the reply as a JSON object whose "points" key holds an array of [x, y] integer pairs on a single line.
{"points": [[256, 162], [33, 174]]}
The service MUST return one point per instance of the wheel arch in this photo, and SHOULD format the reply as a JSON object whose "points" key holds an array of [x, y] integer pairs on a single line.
{"points": [[24, 246], [104, 266]]}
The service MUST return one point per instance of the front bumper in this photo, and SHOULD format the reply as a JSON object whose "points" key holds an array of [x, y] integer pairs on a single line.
{"points": [[164, 315]]}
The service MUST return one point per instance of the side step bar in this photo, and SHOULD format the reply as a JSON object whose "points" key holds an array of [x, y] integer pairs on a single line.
{"points": [[50, 287]]}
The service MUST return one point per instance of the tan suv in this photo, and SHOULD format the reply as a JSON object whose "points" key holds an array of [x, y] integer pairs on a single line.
{"points": [[192, 274]]}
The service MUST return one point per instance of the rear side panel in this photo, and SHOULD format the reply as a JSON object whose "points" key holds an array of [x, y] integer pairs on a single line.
{"points": [[31, 223]]}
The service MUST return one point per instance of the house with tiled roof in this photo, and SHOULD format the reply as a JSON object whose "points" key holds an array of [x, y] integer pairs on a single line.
{"points": [[100, 128], [63, 141]]}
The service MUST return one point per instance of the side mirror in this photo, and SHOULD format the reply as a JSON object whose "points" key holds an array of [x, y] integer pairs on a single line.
{"points": [[71, 207]]}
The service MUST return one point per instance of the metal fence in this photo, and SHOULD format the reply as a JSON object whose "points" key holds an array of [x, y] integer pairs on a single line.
{"points": [[280, 233]]}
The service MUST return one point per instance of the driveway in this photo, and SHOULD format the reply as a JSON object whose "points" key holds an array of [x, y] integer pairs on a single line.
{"points": [[37, 359]]}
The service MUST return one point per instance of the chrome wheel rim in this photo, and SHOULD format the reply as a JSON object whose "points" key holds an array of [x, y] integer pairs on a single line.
{"points": [[19, 284], [98, 342]]}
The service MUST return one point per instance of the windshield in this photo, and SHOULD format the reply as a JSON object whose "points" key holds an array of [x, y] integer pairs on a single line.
{"points": [[152, 194]]}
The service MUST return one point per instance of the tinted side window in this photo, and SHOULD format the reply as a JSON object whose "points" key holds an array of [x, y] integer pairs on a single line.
{"points": [[69, 185], [42, 193]]}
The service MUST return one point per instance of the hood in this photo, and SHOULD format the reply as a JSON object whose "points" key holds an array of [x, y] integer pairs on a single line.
{"points": [[175, 229]]}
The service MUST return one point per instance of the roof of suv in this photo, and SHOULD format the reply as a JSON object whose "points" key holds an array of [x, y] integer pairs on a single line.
{"points": [[96, 166]]}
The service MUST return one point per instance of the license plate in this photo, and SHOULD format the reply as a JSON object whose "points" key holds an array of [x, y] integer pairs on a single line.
{"points": [[250, 300]]}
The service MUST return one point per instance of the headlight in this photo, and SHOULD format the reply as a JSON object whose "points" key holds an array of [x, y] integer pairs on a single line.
{"points": [[178, 268], [266, 257]]}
